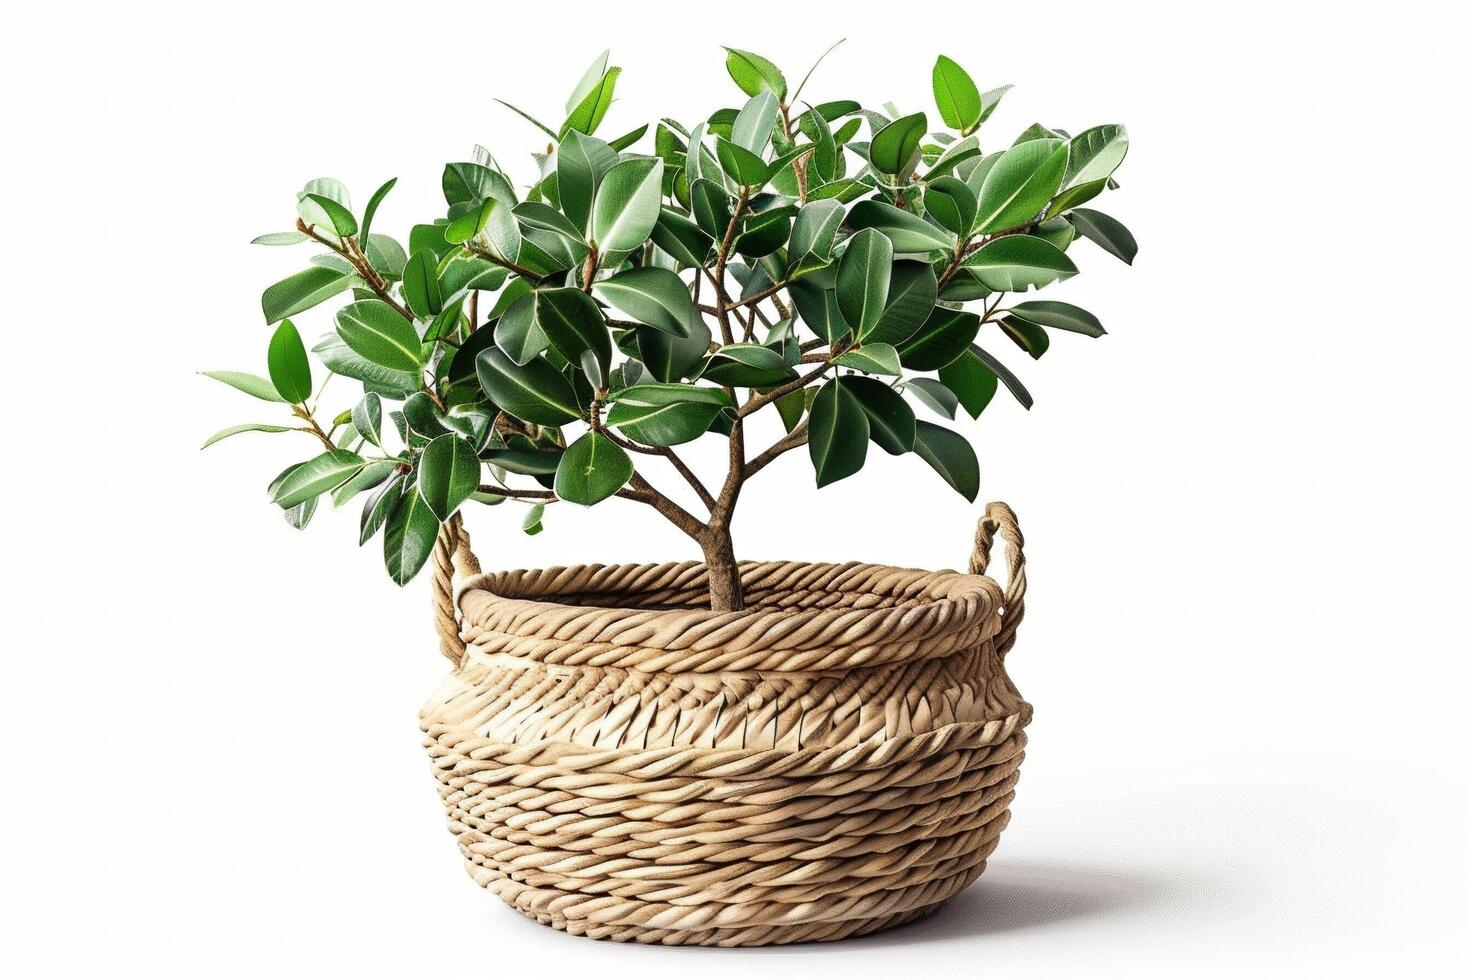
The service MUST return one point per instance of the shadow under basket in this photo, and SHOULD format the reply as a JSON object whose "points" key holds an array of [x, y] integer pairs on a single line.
{"points": [[619, 762]]}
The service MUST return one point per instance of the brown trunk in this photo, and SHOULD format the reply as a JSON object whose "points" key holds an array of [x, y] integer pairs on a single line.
{"points": [[725, 594]]}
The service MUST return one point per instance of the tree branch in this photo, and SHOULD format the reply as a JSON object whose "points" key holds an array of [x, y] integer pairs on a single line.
{"points": [[796, 437], [363, 267], [757, 402]]}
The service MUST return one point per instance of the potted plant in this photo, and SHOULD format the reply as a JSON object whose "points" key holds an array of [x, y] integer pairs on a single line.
{"points": [[716, 752]]}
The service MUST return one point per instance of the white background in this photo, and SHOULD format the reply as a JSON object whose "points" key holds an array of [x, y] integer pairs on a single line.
{"points": [[1244, 507]]}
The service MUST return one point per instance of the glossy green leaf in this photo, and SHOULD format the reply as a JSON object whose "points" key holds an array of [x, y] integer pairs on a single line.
{"points": [[950, 456], [290, 371], [367, 418], [1105, 231], [371, 211], [300, 515], [409, 538], [1025, 335], [747, 366], [936, 395], [666, 415], [374, 329], [587, 115], [470, 183], [421, 284], [813, 234], [378, 506], [531, 523], [581, 163], [669, 357], [942, 338], [252, 384], [684, 240], [370, 476], [1095, 154], [956, 95], [627, 204], [534, 392], [1014, 263], [1020, 183], [755, 74], [912, 291], [972, 383], [839, 431], [908, 232], [316, 476], [764, 232], [235, 430], [573, 323], [1012, 383], [343, 360], [657, 297], [743, 166], [589, 80], [1058, 316], [752, 127], [341, 221], [819, 310], [862, 280], [302, 291], [870, 358], [527, 462], [893, 147], [518, 334], [711, 207], [449, 471], [592, 469], [890, 420], [468, 225], [280, 238], [951, 203]]}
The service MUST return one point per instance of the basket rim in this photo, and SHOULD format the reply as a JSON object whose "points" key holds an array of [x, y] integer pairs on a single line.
{"points": [[940, 612]]}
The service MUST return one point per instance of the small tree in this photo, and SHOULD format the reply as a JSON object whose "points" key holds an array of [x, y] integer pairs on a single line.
{"points": [[629, 302]]}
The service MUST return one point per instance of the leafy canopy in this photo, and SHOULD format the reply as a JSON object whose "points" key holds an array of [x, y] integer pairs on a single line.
{"points": [[836, 263]]}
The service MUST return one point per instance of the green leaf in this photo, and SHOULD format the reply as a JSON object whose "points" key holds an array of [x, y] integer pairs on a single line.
{"points": [[370, 476], [745, 167], [588, 114], [589, 80], [989, 99], [378, 506], [627, 204], [893, 147], [235, 430], [871, 359], [908, 232], [581, 163], [1106, 232], [666, 414], [316, 476], [471, 223], [289, 369], [470, 183], [684, 240], [531, 523], [813, 235], [449, 471], [374, 330], [657, 297], [1027, 336], [711, 207], [747, 366], [1058, 316], [1015, 263], [932, 393], [527, 462], [1012, 383], [1095, 154], [956, 95], [972, 383], [252, 384], [839, 432], [409, 539], [765, 232], [950, 455], [529, 118], [573, 323], [422, 416], [753, 124], [890, 420], [372, 208], [301, 292], [534, 392], [755, 74], [281, 238], [819, 310], [518, 334], [592, 469], [421, 283], [912, 291], [1073, 196], [942, 338], [300, 515], [862, 280], [950, 202], [668, 357], [341, 219], [367, 418], [343, 360], [1019, 184]]}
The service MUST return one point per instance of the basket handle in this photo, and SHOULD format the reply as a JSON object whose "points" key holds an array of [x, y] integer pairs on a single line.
{"points": [[451, 552], [1000, 519]]}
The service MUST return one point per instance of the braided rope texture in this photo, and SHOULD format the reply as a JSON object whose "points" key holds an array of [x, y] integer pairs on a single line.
{"points": [[838, 758]]}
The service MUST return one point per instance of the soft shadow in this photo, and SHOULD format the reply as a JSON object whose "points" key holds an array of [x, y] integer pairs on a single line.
{"points": [[1011, 897]]}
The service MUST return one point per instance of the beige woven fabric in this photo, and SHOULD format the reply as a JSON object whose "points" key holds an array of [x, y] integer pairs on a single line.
{"points": [[619, 762]]}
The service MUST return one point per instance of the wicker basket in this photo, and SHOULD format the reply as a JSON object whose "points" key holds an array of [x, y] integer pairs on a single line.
{"points": [[620, 763]]}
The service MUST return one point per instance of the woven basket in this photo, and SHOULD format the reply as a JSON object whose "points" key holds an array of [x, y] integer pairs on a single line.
{"points": [[621, 763]]}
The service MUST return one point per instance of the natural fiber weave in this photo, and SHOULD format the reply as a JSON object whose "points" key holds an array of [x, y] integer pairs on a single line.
{"points": [[619, 762]]}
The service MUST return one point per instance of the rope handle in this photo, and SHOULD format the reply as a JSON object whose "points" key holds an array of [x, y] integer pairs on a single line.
{"points": [[451, 553], [1000, 519]]}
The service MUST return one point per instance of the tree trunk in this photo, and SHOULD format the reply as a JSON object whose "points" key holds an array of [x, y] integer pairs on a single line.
{"points": [[725, 593]]}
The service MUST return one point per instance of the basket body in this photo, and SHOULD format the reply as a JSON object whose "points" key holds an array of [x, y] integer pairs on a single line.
{"points": [[620, 763]]}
